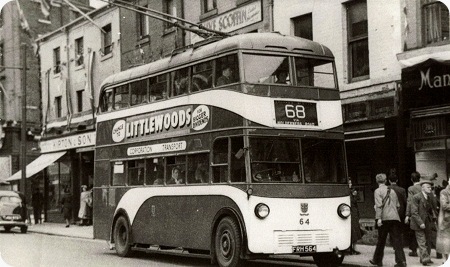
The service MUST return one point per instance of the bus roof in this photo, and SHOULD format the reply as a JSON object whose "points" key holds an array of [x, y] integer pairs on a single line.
{"points": [[253, 41]]}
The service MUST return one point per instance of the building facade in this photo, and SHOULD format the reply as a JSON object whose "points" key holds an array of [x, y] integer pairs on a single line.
{"points": [[79, 56], [365, 37], [425, 94], [20, 23]]}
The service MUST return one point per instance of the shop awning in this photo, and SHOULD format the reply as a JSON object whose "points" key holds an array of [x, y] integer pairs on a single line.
{"points": [[37, 165]]}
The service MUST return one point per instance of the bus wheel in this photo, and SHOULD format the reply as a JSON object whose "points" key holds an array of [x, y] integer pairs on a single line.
{"points": [[7, 228], [228, 243], [328, 260], [23, 229], [122, 237]]}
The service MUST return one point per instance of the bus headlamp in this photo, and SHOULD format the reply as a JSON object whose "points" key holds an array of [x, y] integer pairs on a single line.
{"points": [[262, 210], [344, 211]]}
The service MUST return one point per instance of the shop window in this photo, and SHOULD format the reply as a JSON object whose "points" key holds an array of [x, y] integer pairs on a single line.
{"points": [[358, 41], [303, 26], [435, 21]]}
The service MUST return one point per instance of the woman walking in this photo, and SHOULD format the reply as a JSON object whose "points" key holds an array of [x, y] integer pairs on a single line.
{"points": [[443, 234]]}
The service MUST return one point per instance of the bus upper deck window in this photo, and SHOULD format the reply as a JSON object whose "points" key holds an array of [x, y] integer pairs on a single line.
{"points": [[107, 101], [180, 82], [121, 97], [138, 92], [276, 69], [158, 87], [315, 72], [227, 70], [201, 76]]}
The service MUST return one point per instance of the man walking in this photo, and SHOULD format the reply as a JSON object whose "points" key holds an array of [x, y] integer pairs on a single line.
{"points": [[388, 222], [412, 190], [423, 218], [36, 202]]}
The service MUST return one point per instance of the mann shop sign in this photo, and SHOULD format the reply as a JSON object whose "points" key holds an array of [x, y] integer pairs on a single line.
{"points": [[168, 123], [426, 84]]}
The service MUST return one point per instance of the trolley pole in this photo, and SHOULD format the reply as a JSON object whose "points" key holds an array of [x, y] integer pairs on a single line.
{"points": [[23, 140]]}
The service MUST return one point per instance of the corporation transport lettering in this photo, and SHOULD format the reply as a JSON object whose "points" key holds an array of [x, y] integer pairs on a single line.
{"points": [[173, 120]]}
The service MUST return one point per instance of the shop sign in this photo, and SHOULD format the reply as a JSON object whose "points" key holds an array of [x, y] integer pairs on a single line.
{"points": [[427, 145], [68, 142], [426, 84], [233, 20], [428, 127]]}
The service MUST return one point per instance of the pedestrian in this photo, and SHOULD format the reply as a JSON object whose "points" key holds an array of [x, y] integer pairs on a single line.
{"points": [[66, 208], [423, 219], [401, 195], [85, 203], [37, 201], [388, 222], [443, 234], [412, 190], [356, 229]]}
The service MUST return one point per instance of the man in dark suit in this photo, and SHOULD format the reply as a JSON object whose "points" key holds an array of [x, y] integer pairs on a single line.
{"points": [[412, 190], [423, 219]]}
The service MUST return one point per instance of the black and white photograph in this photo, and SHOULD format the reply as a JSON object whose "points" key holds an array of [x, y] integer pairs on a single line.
{"points": [[224, 133]]}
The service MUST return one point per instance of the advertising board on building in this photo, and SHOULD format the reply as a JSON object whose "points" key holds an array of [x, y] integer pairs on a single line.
{"points": [[68, 142]]}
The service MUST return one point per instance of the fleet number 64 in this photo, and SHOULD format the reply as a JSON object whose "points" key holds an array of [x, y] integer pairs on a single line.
{"points": [[295, 111]]}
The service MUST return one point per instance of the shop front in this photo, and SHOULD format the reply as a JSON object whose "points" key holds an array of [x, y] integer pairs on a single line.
{"points": [[66, 174], [426, 99]]}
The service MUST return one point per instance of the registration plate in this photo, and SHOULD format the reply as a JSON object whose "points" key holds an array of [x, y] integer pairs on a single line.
{"points": [[304, 249]]}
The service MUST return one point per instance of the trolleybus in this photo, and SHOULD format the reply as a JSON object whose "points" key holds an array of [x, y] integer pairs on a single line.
{"points": [[233, 149]]}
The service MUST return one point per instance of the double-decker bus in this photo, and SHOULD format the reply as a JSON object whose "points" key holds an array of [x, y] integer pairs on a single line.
{"points": [[233, 149]]}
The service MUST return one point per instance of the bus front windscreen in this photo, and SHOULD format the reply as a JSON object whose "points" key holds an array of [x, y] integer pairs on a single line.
{"points": [[286, 161]]}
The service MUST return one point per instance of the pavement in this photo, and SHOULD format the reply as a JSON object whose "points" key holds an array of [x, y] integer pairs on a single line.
{"points": [[362, 259]]}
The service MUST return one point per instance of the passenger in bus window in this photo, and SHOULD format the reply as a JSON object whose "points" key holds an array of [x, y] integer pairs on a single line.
{"points": [[180, 84], [175, 179], [282, 76], [201, 173], [226, 77]]}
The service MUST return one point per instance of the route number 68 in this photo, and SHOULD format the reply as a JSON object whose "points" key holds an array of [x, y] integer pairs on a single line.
{"points": [[295, 111]]}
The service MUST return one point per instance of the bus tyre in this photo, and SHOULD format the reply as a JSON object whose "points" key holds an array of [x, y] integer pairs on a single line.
{"points": [[228, 243], [7, 228], [327, 260], [122, 237], [23, 229]]}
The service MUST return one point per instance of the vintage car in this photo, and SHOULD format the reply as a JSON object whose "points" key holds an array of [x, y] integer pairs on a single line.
{"points": [[12, 211]]}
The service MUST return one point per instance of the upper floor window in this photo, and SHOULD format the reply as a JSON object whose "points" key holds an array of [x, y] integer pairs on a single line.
{"points": [[58, 106], [2, 56], [358, 41], [435, 21], [106, 40], [80, 101], [143, 24], [208, 5], [303, 26], [171, 9], [79, 45], [56, 60]]}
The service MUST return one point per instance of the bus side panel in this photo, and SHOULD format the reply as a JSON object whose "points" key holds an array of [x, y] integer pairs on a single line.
{"points": [[178, 221], [105, 202]]}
